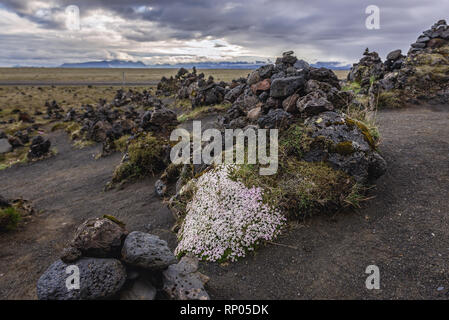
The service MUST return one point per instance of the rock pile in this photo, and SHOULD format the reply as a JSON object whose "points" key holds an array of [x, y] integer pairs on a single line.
{"points": [[193, 86], [107, 122], [436, 37], [394, 60], [54, 111], [367, 70], [275, 96], [143, 98], [39, 147], [115, 264], [422, 75]]}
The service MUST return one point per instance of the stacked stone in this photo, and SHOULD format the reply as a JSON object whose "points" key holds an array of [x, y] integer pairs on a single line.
{"points": [[115, 264], [369, 68], [107, 122], [274, 96], [394, 60], [435, 37]]}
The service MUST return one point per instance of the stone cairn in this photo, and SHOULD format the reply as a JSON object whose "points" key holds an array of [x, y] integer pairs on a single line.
{"points": [[116, 264], [422, 75], [193, 86]]}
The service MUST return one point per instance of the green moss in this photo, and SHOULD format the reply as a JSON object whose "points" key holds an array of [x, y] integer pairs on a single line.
{"points": [[430, 59], [114, 219], [294, 141], [352, 86], [145, 154], [365, 131], [9, 219], [299, 188], [344, 148], [182, 104]]}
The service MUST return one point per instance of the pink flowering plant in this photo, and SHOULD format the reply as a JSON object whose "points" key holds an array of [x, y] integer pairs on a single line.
{"points": [[224, 220]]}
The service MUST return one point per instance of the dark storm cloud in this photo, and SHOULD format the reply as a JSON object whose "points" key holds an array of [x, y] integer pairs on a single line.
{"points": [[319, 28]]}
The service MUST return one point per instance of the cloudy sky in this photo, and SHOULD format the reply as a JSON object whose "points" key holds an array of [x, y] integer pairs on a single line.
{"points": [[173, 31]]}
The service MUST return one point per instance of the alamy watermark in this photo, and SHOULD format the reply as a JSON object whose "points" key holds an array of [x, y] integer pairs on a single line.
{"points": [[373, 280], [73, 280], [72, 21], [216, 152], [372, 22]]}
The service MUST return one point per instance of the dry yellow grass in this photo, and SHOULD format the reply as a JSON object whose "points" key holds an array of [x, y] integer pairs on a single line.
{"points": [[63, 75], [32, 98], [341, 74]]}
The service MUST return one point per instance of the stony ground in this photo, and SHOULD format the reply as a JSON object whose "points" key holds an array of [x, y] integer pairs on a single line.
{"points": [[404, 230], [68, 189]]}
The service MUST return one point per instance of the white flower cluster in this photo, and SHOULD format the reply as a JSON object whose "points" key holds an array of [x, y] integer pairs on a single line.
{"points": [[225, 219]]}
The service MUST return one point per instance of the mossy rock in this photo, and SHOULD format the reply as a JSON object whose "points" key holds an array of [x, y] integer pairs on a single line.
{"points": [[365, 131], [344, 148], [114, 219]]}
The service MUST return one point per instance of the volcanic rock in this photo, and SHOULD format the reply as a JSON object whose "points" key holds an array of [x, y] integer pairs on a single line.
{"points": [[146, 251], [99, 279]]}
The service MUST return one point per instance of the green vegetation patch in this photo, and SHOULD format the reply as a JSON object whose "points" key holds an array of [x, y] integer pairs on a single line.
{"points": [[390, 99], [299, 188], [294, 141], [145, 157], [352, 86], [121, 143], [9, 219]]}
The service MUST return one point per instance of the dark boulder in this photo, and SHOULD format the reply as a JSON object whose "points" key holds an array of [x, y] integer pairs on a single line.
{"points": [[4, 203], [394, 55], [99, 279], [301, 64], [163, 117], [99, 238], [284, 87], [275, 119], [325, 75], [234, 93]]}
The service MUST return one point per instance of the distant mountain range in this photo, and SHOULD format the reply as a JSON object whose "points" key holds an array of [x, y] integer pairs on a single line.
{"points": [[106, 64], [334, 65]]}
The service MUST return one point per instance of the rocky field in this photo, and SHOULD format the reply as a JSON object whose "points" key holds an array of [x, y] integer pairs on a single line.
{"points": [[361, 179]]}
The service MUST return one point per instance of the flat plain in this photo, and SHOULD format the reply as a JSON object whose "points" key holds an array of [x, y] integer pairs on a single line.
{"points": [[40, 76]]}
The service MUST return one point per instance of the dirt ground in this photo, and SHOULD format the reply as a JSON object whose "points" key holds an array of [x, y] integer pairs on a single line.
{"points": [[404, 230], [68, 189]]}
